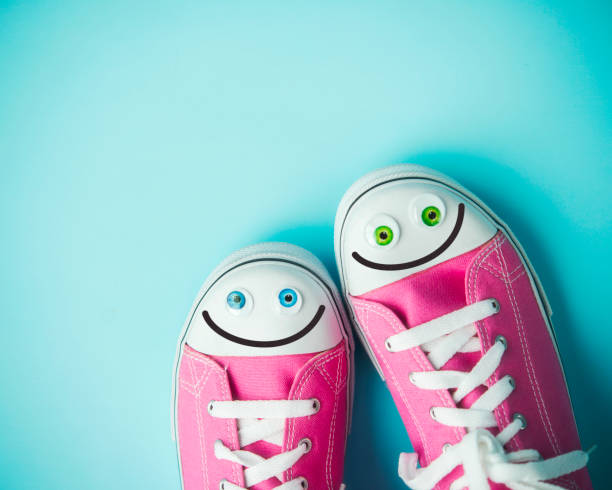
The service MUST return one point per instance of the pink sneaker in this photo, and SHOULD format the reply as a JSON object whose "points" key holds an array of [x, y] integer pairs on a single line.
{"points": [[455, 320], [262, 385]]}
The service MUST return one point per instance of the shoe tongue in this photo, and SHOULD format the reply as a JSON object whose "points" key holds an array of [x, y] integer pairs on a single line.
{"points": [[428, 294], [262, 378]]}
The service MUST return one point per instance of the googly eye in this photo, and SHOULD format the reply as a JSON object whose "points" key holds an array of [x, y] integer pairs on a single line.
{"points": [[428, 210], [236, 300], [431, 215], [382, 231], [383, 235], [289, 300], [288, 297], [239, 302]]}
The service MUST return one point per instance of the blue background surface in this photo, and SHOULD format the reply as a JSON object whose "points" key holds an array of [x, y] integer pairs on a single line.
{"points": [[142, 141]]}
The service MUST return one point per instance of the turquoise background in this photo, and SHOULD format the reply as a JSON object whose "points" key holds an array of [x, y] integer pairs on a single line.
{"points": [[142, 141]]}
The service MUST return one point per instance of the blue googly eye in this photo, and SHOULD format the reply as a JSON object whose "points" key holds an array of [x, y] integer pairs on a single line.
{"points": [[288, 297], [236, 300]]}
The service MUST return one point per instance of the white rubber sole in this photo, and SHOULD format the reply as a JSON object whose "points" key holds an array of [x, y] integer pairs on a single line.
{"points": [[276, 251], [410, 171]]}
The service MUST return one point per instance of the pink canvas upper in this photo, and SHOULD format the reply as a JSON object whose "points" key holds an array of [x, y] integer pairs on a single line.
{"points": [[203, 378], [493, 270]]}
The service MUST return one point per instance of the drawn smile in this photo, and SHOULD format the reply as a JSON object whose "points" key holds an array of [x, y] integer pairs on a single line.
{"points": [[264, 343], [423, 260]]}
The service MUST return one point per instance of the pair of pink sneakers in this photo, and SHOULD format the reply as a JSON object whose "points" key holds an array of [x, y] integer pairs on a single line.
{"points": [[452, 315]]}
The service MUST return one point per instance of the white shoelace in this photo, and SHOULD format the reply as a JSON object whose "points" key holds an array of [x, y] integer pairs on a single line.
{"points": [[482, 455], [263, 420]]}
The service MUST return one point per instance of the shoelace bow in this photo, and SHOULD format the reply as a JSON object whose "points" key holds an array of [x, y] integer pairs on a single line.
{"points": [[263, 420], [480, 452]]}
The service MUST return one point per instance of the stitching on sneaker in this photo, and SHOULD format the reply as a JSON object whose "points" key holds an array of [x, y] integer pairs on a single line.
{"points": [[367, 309], [290, 427], [501, 414], [531, 370], [332, 431]]}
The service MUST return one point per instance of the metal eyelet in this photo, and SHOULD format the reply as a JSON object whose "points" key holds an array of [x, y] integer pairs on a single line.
{"points": [[316, 405], [501, 340], [495, 305], [303, 482], [222, 484], [446, 447], [511, 381], [388, 345], [307, 443], [210, 406], [432, 412], [521, 417], [411, 378]]}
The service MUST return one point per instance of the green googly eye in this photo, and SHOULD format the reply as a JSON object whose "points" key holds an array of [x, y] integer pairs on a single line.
{"points": [[382, 231], [431, 216], [383, 235]]}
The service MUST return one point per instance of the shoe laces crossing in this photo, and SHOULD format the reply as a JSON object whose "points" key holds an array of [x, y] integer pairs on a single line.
{"points": [[481, 454], [263, 420]]}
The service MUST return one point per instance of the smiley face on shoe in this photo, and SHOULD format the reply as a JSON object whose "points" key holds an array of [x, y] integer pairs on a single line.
{"points": [[403, 227], [265, 308]]}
